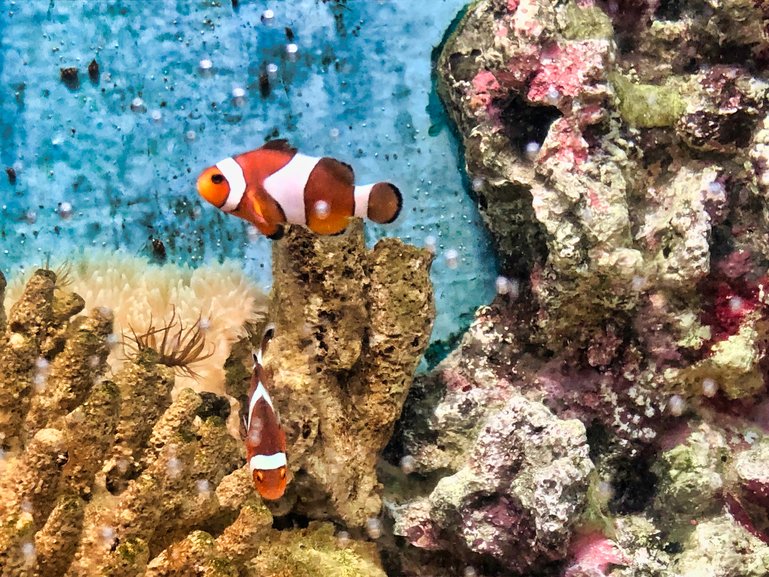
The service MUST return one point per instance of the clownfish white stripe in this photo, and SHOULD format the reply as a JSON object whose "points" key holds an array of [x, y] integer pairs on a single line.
{"points": [[362, 194], [267, 462], [286, 186], [237, 181], [259, 393]]}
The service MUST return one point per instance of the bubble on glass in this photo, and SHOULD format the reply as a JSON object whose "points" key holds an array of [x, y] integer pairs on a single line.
{"points": [[374, 527], [431, 244], [470, 572], [267, 16], [107, 535], [677, 405], [292, 48], [28, 553], [30, 217], [408, 464], [735, 304], [203, 487], [532, 150], [272, 70], [344, 538], [204, 324], [173, 467], [137, 105], [238, 96], [190, 135], [252, 233], [503, 285], [334, 133], [478, 183], [452, 258], [322, 209], [206, 67], [156, 115], [553, 95], [709, 387], [65, 210]]}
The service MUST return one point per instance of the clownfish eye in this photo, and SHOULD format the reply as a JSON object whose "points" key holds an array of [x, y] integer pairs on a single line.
{"points": [[259, 476], [217, 178]]}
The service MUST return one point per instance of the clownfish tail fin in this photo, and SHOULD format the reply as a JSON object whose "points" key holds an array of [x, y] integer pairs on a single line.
{"points": [[383, 202]]}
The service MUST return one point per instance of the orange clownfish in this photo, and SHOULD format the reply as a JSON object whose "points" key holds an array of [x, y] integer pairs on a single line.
{"points": [[275, 184], [264, 438]]}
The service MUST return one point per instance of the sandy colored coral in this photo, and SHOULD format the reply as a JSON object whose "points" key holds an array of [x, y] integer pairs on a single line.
{"points": [[351, 327], [115, 477]]}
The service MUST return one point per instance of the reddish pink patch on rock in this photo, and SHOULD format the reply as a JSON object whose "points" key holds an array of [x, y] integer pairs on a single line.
{"points": [[512, 5], [592, 554], [569, 69], [564, 143], [485, 81]]}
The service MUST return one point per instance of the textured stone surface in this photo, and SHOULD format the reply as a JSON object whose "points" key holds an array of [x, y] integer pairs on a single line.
{"points": [[351, 327]]}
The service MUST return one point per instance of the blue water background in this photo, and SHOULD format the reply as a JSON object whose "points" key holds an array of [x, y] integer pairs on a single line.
{"points": [[357, 88]]}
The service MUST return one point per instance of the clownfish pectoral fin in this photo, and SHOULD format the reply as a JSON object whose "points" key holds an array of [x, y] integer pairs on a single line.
{"points": [[280, 144], [381, 202]]}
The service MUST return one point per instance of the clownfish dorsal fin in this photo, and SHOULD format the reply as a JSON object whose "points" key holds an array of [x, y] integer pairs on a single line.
{"points": [[280, 144]]}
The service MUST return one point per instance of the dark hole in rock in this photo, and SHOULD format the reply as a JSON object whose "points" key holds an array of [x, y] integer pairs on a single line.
{"points": [[669, 10], [634, 484], [525, 124], [213, 406], [290, 521]]}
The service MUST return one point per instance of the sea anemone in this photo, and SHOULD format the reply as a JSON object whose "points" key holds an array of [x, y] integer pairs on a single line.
{"points": [[177, 346]]}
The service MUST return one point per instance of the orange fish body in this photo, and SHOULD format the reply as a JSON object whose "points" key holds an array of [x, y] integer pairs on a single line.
{"points": [[264, 437], [275, 184]]}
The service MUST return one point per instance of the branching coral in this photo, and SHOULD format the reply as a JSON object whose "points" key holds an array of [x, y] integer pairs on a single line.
{"points": [[111, 477]]}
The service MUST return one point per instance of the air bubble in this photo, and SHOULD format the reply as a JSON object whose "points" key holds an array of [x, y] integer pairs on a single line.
{"points": [[502, 285], [174, 467], [107, 535], [478, 183], [374, 527], [470, 571], [206, 67], [203, 487], [452, 258], [431, 244], [735, 304], [322, 209], [190, 135], [553, 95], [29, 552], [30, 217], [204, 324], [292, 48], [677, 405], [334, 133], [267, 16], [408, 464], [238, 96], [709, 387], [156, 115], [272, 70], [65, 210], [344, 538], [532, 150], [137, 105]]}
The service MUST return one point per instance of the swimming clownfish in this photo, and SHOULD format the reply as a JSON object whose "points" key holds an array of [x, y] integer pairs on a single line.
{"points": [[275, 184], [264, 438]]}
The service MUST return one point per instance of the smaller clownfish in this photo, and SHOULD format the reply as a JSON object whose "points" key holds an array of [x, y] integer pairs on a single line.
{"points": [[275, 184], [263, 436]]}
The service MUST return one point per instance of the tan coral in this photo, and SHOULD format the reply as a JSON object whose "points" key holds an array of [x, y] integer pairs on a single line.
{"points": [[351, 327]]}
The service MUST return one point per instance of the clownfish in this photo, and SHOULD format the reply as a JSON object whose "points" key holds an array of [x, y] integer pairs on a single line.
{"points": [[275, 184], [263, 436]]}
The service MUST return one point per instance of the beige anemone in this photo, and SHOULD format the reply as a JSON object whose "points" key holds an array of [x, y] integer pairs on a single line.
{"points": [[140, 293]]}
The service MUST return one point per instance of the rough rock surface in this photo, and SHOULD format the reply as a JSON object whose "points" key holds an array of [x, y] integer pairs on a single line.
{"points": [[351, 326], [619, 155]]}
